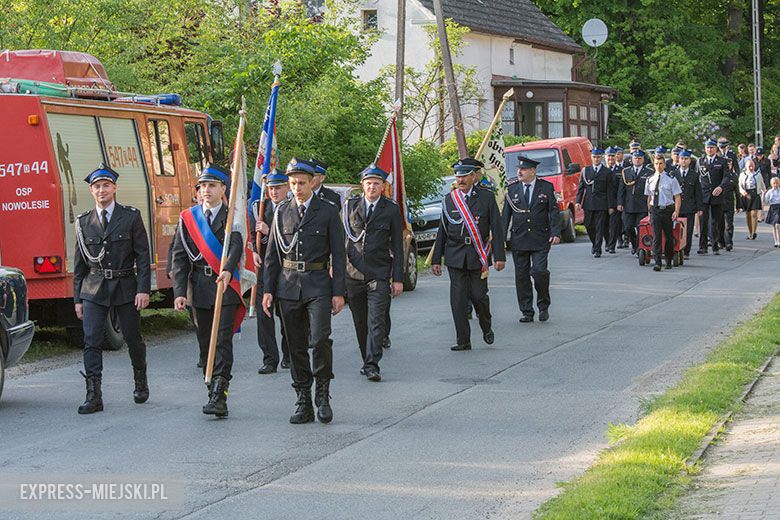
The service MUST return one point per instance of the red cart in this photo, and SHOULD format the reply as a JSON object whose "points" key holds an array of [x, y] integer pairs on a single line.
{"points": [[646, 241]]}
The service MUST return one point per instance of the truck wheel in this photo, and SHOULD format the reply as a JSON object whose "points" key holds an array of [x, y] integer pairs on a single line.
{"points": [[568, 233], [410, 277], [113, 339], [642, 256]]}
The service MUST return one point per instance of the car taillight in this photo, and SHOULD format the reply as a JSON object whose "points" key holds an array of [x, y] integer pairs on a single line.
{"points": [[47, 264]]}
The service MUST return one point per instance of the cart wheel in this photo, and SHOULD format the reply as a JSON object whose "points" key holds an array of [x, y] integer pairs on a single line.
{"points": [[642, 257], [682, 257], [676, 259]]}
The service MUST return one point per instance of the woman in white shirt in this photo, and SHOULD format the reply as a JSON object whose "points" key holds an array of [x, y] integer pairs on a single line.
{"points": [[751, 187], [772, 199]]}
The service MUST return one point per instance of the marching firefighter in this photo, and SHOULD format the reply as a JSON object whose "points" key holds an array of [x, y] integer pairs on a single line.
{"points": [[111, 272], [631, 197], [691, 205], [595, 196]]}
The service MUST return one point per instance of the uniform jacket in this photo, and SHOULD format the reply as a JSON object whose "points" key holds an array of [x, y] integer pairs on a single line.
{"points": [[691, 191], [320, 239], [712, 174], [616, 180], [595, 190], [379, 254], [268, 217], [532, 227], [451, 238], [328, 194], [631, 190], [185, 271], [126, 246]]}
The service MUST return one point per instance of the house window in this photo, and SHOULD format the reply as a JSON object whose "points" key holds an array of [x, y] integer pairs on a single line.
{"points": [[584, 121], [370, 20], [511, 55], [508, 118], [554, 119]]}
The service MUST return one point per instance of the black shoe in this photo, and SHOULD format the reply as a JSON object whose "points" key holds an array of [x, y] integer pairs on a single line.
{"points": [[373, 375], [267, 369], [200, 364], [304, 411], [657, 267], [141, 392], [217, 404], [701, 252], [527, 318], [322, 400], [668, 266], [597, 254], [749, 237], [612, 251], [458, 348], [94, 401], [633, 252], [715, 252], [489, 337], [363, 371], [544, 315], [285, 363], [755, 235], [387, 343]]}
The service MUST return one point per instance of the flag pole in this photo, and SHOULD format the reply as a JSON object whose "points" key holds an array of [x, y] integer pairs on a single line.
{"points": [[237, 153]]}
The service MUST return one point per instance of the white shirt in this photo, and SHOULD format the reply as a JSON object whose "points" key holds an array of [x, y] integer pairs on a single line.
{"points": [[109, 211], [214, 212], [667, 190], [368, 203], [305, 204], [772, 196], [532, 185]]}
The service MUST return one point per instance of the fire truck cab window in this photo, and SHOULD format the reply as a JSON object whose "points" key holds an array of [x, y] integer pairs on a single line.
{"points": [[196, 147], [162, 156]]}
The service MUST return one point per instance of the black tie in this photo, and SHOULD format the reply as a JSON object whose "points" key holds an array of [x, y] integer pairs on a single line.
{"points": [[104, 219], [528, 195], [301, 211], [208, 216], [370, 212], [466, 198]]}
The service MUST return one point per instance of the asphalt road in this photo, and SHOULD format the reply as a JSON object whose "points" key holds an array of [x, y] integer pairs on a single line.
{"points": [[480, 434]]}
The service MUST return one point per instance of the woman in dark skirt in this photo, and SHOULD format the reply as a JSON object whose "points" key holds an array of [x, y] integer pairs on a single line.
{"points": [[772, 199], [752, 188]]}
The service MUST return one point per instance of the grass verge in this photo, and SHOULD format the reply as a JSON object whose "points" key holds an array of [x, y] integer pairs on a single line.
{"points": [[644, 471]]}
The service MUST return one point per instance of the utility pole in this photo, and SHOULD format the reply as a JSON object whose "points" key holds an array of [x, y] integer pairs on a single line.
{"points": [[400, 44], [449, 75], [758, 119]]}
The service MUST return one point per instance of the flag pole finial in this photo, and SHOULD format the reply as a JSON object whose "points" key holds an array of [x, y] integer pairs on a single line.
{"points": [[278, 68]]}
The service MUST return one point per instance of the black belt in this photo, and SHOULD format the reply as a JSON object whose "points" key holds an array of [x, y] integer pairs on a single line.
{"points": [[110, 274], [661, 208], [465, 240], [304, 266]]}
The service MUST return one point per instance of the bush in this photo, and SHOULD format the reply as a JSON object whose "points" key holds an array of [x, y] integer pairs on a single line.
{"points": [[423, 167]]}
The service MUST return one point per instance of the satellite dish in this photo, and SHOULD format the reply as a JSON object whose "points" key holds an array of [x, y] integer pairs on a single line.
{"points": [[595, 32]]}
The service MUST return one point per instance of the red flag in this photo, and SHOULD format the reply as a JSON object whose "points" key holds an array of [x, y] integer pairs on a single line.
{"points": [[389, 159]]}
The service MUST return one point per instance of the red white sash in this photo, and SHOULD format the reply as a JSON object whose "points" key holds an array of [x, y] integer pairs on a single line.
{"points": [[471, 225]]}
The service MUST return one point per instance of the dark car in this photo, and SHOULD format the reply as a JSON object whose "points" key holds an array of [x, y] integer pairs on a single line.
{"points": [[425, 222], [16, 329]]}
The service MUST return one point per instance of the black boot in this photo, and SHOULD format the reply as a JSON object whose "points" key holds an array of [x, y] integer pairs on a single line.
{"points": [[217, 404], [94, 401], [322, 400], [141, 392], [304, 413]]}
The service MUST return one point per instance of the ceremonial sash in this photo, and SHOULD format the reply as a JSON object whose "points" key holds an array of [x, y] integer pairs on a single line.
{"points": [[471, 226], [209, 246]]}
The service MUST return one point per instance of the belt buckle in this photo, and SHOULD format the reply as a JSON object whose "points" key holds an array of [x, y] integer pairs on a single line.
{"points": [[108, 274], [467, 241], [208, 270], [300, 266]]}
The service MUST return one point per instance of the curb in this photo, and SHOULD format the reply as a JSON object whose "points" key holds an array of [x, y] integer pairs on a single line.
{"points": [[715, 430]]}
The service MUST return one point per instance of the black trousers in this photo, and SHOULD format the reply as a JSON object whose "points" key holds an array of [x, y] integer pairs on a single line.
{"points": [[369, 303], [689, 226], [597, 224], [532, 264], [266, 332], [726, 237], [663, 228], [307, 322], [615, 228], [631, 227], [467, 285], [713, 214], [94, 325], [223, 358]]}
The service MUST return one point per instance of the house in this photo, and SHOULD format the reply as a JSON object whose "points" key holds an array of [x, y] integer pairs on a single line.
{"points": [[512, 44]]}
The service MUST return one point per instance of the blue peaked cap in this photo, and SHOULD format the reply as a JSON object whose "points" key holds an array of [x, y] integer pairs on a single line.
{"points": [[373, 171], [276, 178], [213, 173], [102, 172]]}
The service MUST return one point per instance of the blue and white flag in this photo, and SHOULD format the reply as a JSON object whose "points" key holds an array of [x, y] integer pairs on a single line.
{"points": [[266, 149]]}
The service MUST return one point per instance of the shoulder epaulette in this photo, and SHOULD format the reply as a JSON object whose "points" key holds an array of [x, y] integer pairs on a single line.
{"points": [[388, 199], [283, 203], [329, 202], [83, 214]]}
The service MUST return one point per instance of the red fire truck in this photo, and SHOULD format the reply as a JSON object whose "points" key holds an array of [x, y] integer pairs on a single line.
{"points": [[62, 117]]}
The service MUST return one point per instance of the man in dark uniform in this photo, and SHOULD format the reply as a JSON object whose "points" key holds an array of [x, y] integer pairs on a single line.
{"points": [[321, 191], [111, 271], [307, 238], [674, 160], [531, 213], [691, 205], [469, 215], [616, 217], [375, 264], [277, 186], [631, 197], [197, 251], [594, 195], [715, 179], [731, 202], [621, 159]]}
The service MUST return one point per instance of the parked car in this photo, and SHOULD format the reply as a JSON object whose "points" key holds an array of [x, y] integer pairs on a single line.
{"points": [[425, 222], [16, 329], [561, 162], [410, 243]]}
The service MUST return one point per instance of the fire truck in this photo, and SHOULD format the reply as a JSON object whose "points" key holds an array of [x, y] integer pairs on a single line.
{"points": [[61, 118]]}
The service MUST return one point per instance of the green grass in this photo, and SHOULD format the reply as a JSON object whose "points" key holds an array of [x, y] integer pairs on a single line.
{"points": [[645, 470]]}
